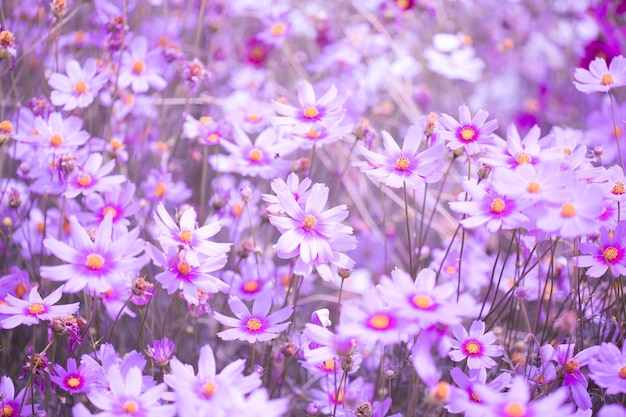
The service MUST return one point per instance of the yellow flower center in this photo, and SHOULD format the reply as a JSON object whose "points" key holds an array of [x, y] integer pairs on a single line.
{"points": [[7, 411], [515, 410], [310, 112], [251, 286], [339, 398], [475, 397], [571, 366], [568, 210], [204, 120], [138, 67], [73, 381], [253, 117], [533, 187], [618, 188], [81, 87], [183, 268], [497, 205], [159, 190], [116, 144], [442, 391], [467, 134], [611, 253], [451, 269], [35, 308], [129, 99], [84, 180], [185, 235], [236, 210], [6, 127], [56, 140], [309, 222], [255, 155], [131, 407], [314, 134], [41, 226], [209, 388], [472, 348], [380, 321], [402, 164], [607, 79], [422, 301], [254, 324], [94, 261], [567, 150], [107, 210], [622, 372], [278, 29], [20, 290], [523, 158], [213, 137], [328, 365]]}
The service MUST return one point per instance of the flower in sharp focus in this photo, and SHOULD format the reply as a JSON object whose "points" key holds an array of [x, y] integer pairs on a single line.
{"points": [[607, 253], [92, 177], [397, 167], [31, 311], [477, 346], [9, 402], [75, 379], [257, 325], [161, 351], [469, 133], [79, 87], [600, 77]]}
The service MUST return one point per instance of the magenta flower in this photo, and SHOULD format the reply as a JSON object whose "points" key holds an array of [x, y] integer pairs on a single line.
{"points": [[141, 69], [469, 133], [477, 346], [600, 77], [608, 368], [516, 151], [92, 177], [465, 398], [607, 253], [94, 264], [255, 326], [161, 351], [9, 402], [34, 309], [79, 87], [75, 379], [405, 166], [299, 190]]}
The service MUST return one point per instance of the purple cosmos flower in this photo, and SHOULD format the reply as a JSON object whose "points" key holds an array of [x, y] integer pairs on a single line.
{"points": [[56, 135], [468, 133], [120, 201], [299, 190], [31, 311], [612, 410], [324, 345], [94, 264], [339, 403], [125, 396], [608, 368], [9, 403], [255, 326], [465, 398], [75, 379], [405, 166], [159, 186], [477, 346], [161, 351], [516, 151], [141, 69], [615, 185], [607, 253], [600, 77], [92, 177], [79, 87], [208, 131]]}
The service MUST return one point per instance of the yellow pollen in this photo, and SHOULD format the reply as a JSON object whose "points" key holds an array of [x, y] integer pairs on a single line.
{"points": [[80, 87], [255, 155], [380, 321], [278, 29], [568, 210], [622, 372], [533, 187], [422, 301], [450, 269], [251, 286], [618, 188], [185, 235], [402, 164], [138, 67], [161, 146], [209, 388], [309, 222], [116, 144], [611, 253], [35, 308], [41, 226], [20, 290], [523, 158], [6, 127], [328, 365], [475, 397], [497, 205], [159, 190], [79, 36], [472, 348], [253, 118], [129, 99], [442, 391], [67, 227], [467, 40], [107, 210], [236, 210], [7, 411], [73, 382], [515, 410], [314, 134], [617, 132], [213, 137], [84, 180], [508, 43], [7, 222], [310, 112], [130, 407], [567, 150], [94, 261], [205, 120], [468, 134], [571, 366], [56, 140], [183, 268], [607, 79], [339, 398], [254, 324]]}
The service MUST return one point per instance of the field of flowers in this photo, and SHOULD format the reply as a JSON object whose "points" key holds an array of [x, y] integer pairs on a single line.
{"points": [[342, 208]]}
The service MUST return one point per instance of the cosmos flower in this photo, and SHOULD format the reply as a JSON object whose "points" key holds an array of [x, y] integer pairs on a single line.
{"points": [[465, 398], [75, 379], [405, 166], [468, 133], [31, 311], [607, 254], [608, 368], [56, 135], [92, 177], [517, 151], [141, 69], [9, 402], [600, 77], [477, 346], [256, 326], [299, 190], [79, 87]]}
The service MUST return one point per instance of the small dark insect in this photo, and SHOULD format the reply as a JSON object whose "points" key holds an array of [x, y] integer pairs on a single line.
{"points": [[276, 155]]}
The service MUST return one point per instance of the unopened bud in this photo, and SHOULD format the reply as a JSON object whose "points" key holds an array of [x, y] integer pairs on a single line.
{"points": [[245, 193], [344, 272], [363, 409], [140, 286], [312, 410], [484, 171]]}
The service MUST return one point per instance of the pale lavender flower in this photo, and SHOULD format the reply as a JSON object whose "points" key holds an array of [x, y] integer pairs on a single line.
{"points": [[600, 77], [141, 69], [608, 368], [468, 133], [477, 346], [79, 87], [92, 177], [34, 309]]}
